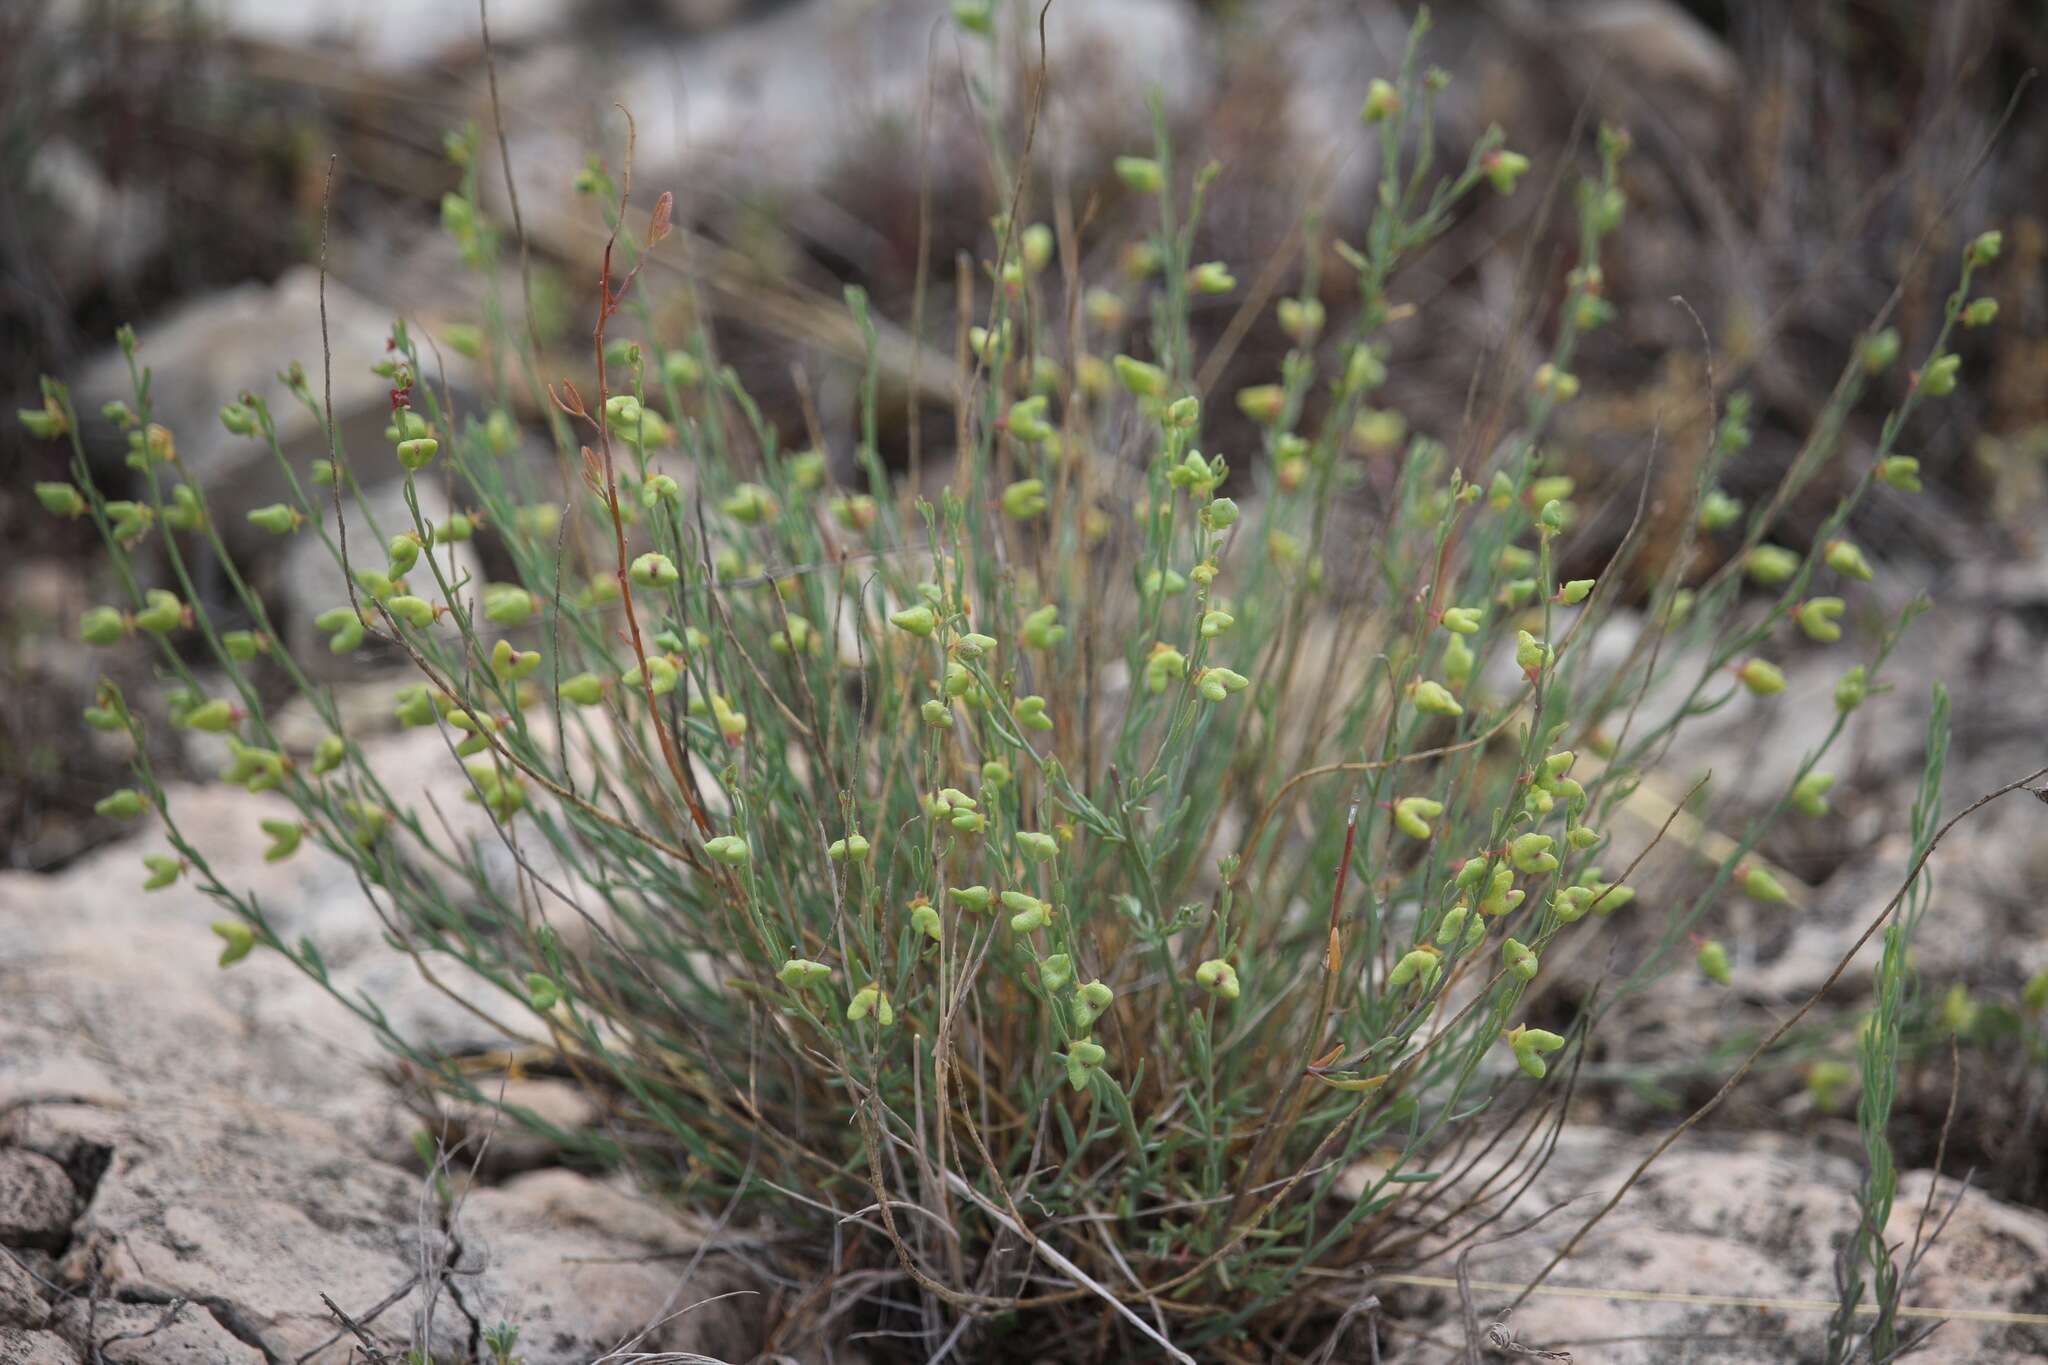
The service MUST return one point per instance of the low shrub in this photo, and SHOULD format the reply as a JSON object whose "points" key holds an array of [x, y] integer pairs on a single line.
{"points": [[1096, 891]]}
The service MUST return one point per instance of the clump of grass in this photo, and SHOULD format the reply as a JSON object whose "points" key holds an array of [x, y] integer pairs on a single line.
{"points": [[1055, 882]]}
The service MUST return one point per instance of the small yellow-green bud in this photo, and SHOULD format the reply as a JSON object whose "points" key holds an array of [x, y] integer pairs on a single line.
{"points": [[1084, 1058], [1771, 565], [729, 849], [1412, 815], [1818, 617], [802, 974], [924, 918], [1140, 174], [1433, 699], [1718, 511], [101, 626], [1901, 472], [1420, 965], [329, 754], [163, 870], [1845, 559], [1759, 884], [416, 612], [211, 717], [750, 504], [655, 570], [1382, 101], [1880, 350], [1938, 380], [1810, 793], [2034, 995], [1713, 962], [585, 689], [1027, 420], [1531, 853], [1574, 592], [1302, 319], [1463, 620], [1220, 514], [238, 939], [277, 518], [1503, 168], [1216, 623], [1028, 914], [1056, 971], [870, 999], [162, 612], [1761, 677], [853, 848], [285, 837], [919, 620], [1218, 978], [1984, 248], [1211, 277], [417, 453], [1146, 381], [661, 674], [60, 499], [1038, 847], [1520, 959], [1532, 656], [975, 898], [1091, 1001], [1529, 1045], [1852, 689], [1030, 713], [1980, 313], [1024, 499]]}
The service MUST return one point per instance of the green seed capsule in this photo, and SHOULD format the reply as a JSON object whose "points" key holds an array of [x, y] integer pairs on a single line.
{"points": [[1818, 618], [1091, 1001], [1412, 815], [870, 999], [1056, 971], [60, 500], [414, 611], [1531, 853], [1759, 884], [1713, 962], [238, 939], [1432, 698], [329, 754], [801, 973], [655, 570], [1218, 978], [729, 849], [508, 604], [285, 836], [278, 519], [1810, 793], [919, 620], [1761, 678], [542, 992], [162, 614], [125, 804], [102, 626]]}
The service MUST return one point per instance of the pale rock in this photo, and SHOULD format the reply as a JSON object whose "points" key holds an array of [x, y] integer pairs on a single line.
{"points": [[35, 1201]]}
